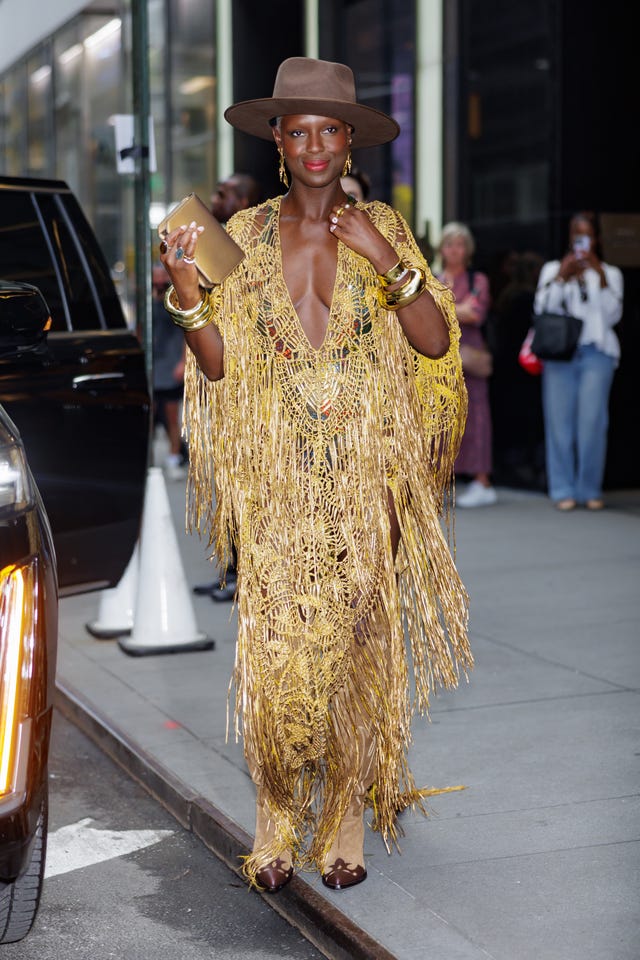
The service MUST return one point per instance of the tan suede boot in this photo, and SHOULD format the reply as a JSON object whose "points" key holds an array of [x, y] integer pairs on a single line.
{"points": [[276, 873], [273, 874], [344, 863]]}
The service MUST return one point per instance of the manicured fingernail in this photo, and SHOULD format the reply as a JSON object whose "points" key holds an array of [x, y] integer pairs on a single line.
{"points": [[183, 226], [334, 219], [192, 224]]}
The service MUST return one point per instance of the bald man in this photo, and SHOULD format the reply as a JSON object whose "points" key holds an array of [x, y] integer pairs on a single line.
{"points": [[237, 192]]}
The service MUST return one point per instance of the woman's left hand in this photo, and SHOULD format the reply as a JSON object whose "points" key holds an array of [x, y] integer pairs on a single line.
{"points": [[590, 259], [356, 230], [421, 320], [468, 310]]}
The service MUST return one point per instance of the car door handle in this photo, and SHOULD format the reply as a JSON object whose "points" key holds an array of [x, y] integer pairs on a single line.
{"points": [[88, 381]]}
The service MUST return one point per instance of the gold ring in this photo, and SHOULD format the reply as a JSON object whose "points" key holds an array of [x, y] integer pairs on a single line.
{"points": [[339, 211]]}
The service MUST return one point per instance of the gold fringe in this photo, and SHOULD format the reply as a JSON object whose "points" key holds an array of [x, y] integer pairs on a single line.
{"points": [[298, 448]]}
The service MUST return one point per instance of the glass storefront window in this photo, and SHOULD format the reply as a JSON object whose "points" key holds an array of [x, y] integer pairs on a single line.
{"points": [[193, 102], [57, 105], [507, 132], [103, 92], [40, 155], [376, 38], [68, 55], [14, 127]]}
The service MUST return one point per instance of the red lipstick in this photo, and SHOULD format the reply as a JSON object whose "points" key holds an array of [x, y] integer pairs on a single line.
{"points": [[316, 165]]}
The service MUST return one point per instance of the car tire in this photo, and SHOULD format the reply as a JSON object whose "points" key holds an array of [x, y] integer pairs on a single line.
{"points": [[19, 901]]}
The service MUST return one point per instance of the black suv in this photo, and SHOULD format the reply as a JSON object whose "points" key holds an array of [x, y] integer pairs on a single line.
{"points": [[73, 381], [79, 397]]}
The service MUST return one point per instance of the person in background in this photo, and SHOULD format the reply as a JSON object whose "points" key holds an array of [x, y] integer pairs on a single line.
{"points": [[325, 401], [575, 393], [471, 291], [237, 192], [168, 376], [357, 184]]}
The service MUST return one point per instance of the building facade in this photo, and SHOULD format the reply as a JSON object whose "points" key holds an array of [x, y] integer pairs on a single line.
{"points": [[506, 110]]}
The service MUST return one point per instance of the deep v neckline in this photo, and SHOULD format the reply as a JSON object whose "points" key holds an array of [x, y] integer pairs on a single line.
{"points": [[294, 312]]}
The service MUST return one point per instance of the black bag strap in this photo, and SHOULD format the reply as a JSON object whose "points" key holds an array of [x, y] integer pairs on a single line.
{"points": [[563, 302]]}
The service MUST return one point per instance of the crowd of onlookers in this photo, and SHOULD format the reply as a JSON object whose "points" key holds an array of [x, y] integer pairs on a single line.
{"points": [[552, 419]]}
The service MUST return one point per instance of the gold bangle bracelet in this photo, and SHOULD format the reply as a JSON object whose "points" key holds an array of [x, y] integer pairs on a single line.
{"points": [[172, 306], [192, 325], [195, 318], [406, 294], [395, 273]]}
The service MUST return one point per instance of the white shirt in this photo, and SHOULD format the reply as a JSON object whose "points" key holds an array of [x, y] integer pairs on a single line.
{"points": [[599, 311]]}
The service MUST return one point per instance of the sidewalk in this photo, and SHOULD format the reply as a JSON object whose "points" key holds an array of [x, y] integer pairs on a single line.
{"points": [[539, 858]]}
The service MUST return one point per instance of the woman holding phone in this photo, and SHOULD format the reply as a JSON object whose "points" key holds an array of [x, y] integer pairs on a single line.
{"points": [[575, 393], [324, 390]]}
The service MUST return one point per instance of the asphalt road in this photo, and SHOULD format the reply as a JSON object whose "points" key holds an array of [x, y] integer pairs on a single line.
{"points": [[167, 900]]}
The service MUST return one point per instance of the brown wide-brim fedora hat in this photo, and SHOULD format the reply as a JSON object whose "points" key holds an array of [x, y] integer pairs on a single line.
{"points": [[319, 88]]}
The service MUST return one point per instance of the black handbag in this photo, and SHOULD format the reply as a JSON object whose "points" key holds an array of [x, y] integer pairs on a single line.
{"points": [[555, 335]]}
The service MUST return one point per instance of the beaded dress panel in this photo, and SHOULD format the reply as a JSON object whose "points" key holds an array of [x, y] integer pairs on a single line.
{"points": [[294, 454]]}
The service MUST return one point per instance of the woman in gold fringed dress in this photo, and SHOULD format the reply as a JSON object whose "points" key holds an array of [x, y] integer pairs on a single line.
{"points": [[324, 390]]}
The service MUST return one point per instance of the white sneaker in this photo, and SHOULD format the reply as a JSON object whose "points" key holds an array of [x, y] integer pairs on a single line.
{"points": [[477, 496], [174, 468]]}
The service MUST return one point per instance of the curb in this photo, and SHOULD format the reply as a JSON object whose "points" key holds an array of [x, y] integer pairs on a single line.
{"points": [[335, 935]]}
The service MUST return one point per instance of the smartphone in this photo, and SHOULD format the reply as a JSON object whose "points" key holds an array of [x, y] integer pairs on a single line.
{"points": [[581, 245]]}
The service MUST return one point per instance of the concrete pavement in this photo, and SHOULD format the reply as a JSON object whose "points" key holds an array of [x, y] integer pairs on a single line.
{"points": [[539, 858]]}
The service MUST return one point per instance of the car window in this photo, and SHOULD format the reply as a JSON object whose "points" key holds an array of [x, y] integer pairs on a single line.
{"points": [[96, 264], [26, 255], [80, 291], [46, 240]]}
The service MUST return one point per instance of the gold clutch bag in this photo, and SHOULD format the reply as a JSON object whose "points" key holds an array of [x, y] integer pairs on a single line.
{"points": [[216, 253]]}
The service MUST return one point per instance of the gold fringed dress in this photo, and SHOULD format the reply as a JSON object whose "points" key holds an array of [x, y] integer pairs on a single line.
{"points": [[298, 448]]}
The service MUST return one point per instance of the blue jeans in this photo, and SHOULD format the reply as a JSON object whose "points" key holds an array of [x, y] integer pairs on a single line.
{"points": [[575, 398]]}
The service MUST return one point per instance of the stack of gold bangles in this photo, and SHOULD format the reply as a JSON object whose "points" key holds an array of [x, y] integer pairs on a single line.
{"points": [[410, 290], [193, 319]]}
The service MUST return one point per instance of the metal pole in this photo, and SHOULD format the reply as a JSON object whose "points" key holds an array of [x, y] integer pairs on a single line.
{"points": [[224, 88], [142, 186]]}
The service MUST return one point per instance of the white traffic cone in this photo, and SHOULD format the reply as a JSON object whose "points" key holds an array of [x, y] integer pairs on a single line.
{"points": [[115, 613], [164, 621]]}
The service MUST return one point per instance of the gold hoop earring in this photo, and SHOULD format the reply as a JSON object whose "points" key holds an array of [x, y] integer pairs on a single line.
{"points": [[282, 173], [346, 170]]}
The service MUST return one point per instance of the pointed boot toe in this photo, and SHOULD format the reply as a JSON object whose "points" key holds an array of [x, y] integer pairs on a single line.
{"points": [[339, 875], [274, 876]]}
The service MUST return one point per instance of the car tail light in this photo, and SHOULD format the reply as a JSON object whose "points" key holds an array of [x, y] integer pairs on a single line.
{"points": [[18, 616]]}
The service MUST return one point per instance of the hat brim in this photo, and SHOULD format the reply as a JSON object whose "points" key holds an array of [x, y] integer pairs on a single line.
{"points": [[371, 127]]}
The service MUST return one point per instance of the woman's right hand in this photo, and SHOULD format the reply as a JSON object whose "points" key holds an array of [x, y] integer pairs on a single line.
{"points": [[177, 255], [569, 267]]}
